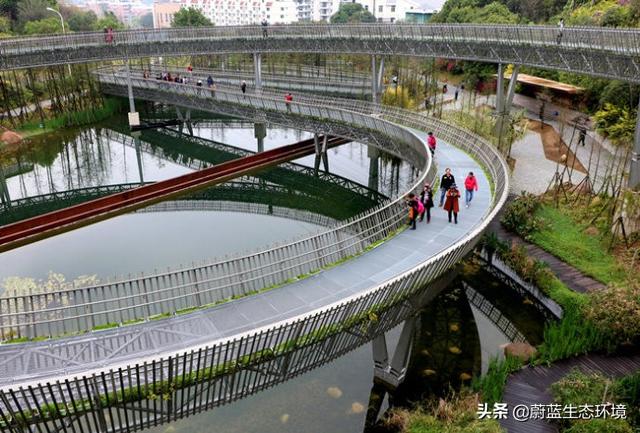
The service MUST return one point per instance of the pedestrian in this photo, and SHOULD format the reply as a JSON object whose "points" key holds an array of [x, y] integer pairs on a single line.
{"points": [[145, 74], [445, 89], [265, 24], [243, 87], [560, 30], [106, 35], [209, 81], [426, 197], [470, 185], [455, 95], [431, 142], [199, 83], [451, 204], [287, 100], [110, 35], [394, 80], [445, 183], [412, 205], [461, 88], [582, 137], [190, 70]]}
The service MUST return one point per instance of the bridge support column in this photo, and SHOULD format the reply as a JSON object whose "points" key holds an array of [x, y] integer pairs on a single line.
{"points": [[374, 167], [376, 79], [321, 153], [392, 373], [503, 102], [186, 119], [136, 139], [257, 70], [134, 116], [5, 199], [634, 171], [260, 132]]}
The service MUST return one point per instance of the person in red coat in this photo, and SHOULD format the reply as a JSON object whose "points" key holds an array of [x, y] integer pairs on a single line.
{"points": [[470, 185], [451, 202]]}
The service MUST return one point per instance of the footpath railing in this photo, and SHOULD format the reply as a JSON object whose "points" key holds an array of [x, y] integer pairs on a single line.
{"points": [[127, 398], [82, 309], [622, 41]]}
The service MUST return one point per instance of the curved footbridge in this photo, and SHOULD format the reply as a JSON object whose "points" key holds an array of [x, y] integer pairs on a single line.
{"points": [[244, 339]]}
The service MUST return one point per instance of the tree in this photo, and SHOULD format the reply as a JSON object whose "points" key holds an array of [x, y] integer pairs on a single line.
{"points": [[9, 8], [46, 26], [79, 20], [190, 17], [33, 10], [109, 21], [352, 13]]}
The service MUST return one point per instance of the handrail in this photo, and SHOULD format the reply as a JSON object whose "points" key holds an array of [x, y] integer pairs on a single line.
{"points": [[415, 40], [83, 308], [242, 364]]}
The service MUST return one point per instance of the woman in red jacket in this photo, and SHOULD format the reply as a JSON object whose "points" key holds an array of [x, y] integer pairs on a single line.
{"points": [[451, 203], [470, 185]]}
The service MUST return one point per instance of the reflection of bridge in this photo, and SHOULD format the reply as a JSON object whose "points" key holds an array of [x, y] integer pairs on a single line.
{"points": [[132, 377]]}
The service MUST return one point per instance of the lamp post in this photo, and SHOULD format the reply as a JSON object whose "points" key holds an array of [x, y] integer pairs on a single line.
{"points": [[63, 30]]}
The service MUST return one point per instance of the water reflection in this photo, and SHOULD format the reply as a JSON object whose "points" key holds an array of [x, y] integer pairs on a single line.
{"points": [[343, 397]]}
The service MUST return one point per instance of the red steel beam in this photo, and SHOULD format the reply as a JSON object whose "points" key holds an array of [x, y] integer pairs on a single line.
{"points": [[52, 223]]}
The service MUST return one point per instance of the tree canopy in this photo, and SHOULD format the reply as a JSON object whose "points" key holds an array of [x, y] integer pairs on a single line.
{"points": [[352, 13], [190, 17], [45, 26]]}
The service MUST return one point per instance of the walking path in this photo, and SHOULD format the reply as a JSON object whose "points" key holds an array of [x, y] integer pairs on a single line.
{"points": [[531, 385], [74, 355], [570, 276]]}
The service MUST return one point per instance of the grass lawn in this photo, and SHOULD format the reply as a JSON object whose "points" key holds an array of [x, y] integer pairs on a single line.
{"points": [[566, 239]]}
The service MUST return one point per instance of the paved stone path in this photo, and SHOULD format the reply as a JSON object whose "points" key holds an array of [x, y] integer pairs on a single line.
{"points": [[121, 346], [531, 385]]}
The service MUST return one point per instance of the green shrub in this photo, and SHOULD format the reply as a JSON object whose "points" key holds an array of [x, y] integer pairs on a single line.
{"points": [[491, 385], [616, 312], [600, 425], [519, 215], [580, 388]]}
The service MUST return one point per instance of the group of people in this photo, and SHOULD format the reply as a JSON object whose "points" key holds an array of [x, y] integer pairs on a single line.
{"points": [[421, 205]]}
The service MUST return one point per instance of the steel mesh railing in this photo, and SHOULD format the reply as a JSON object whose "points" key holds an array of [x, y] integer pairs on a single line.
{"points": [[130, 398], [81, 309]]}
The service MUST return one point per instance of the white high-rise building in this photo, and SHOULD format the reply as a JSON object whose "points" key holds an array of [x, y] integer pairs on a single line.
{"points": [[230, 12]]}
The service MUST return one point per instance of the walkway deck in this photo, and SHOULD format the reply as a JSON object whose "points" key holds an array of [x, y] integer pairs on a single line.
{"points": [[531, 385], [113, 348]]}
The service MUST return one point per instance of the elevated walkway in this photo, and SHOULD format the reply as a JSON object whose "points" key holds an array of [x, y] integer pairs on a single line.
{"points": [[88, 354]]}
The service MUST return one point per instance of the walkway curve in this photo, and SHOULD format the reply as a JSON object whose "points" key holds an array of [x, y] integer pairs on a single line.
{"points": [[602, 52], [246, 361]]}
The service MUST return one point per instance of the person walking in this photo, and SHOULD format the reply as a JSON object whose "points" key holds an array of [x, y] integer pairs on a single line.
{"points": [[426, 198], [190, 70], [445, 89], [582, 137], [287, 100], [560, 30], [470, 185], [265, 24], [455, 95], [451, 204], [209, 81], [243, 87], [445, 183], [412, 205], [431, 142]]}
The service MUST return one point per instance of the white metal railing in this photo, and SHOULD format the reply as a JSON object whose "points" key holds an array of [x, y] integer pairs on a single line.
{"points": [[619, 41]]}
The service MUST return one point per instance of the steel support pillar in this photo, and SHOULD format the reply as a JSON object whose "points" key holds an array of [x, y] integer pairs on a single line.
{"points": [[321, 153], [392, 372], [380, 75], [500, 90], [374, 167], [511, 89], [257, 70], [260, 132], [136, 139], [634, 170], [5, 199], [374, 80], [134, 117]]}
